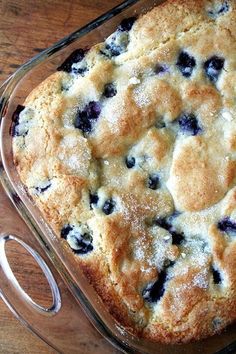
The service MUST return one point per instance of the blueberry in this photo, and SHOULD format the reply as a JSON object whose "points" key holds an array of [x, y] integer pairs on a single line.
{"points": [[83, 244], [65, 231], [84, 119], [177, 237], [109, 90], [15, 122], [116, 44], [153, 181], [82, 122], [186, 63], [160, 69], [113, 50], [43, 187], [108, 206], [213, 67], [75, 57], [127, 24], [163, 223], [93, 200], [80, 243], [188, 124], [93, 110], [79, 70], [154, 291], [216, 276], [227, 225], [222, 9], [105, 52], [130, 161]]}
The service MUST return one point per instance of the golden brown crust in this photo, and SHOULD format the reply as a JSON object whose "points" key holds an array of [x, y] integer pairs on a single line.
{"points": [[161, 151]]}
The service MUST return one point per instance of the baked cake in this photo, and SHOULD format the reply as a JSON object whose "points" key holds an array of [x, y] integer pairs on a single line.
{"points": [[129, 151]]}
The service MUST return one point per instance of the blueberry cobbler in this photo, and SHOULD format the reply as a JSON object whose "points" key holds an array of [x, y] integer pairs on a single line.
{"points": [[129, 151]]}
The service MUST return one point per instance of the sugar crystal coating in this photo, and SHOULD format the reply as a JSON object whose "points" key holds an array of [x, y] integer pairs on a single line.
{"points": [[122, 136]]}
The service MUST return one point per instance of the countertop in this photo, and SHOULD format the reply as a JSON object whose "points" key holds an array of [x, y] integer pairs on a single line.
{"points": [[26, 28]]}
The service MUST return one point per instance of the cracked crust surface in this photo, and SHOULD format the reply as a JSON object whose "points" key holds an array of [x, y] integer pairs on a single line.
{"points": [[196, 173]]}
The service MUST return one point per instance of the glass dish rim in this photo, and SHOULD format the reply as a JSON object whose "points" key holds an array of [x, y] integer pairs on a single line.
{"points": [[7, 89], [62, 43]]}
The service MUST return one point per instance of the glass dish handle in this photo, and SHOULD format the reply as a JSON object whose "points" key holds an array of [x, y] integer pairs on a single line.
{"points": [[15, 293], [4, 84], [63, 325]]}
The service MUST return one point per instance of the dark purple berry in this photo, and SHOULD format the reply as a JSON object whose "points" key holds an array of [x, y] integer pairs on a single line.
{"points": [[177, 237], [85, 119], [227, 225], [108, 206], [113, 50], [160, 69], [154, 291], [130, 161], [79, 71], [15, 122], [79, 243], [163, 223], [105, 53], [116, 44], [93, 200], [213, 67], [75, 57], [43, 188], [65, 231], [93, 110], [83, 244], [224, 8], [127, 24], [186, 63], [109, 90], [188, 124], [216, 276], [220, 10], [82, 122], [153, 181]]}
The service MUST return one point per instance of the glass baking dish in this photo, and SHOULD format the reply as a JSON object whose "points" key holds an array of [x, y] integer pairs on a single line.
{"points": [[35, 317]]}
